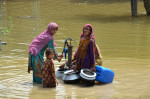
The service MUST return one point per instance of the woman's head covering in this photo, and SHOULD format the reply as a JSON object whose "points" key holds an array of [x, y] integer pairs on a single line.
{"points": [[51, 26], [41, 40], [92, 34]]}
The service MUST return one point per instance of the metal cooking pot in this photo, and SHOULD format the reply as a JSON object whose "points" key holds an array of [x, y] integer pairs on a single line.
{"points": [[71, 77], [60, 72], [87, 76]]}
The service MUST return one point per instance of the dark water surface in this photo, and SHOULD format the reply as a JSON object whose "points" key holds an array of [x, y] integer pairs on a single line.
{"points": [[124, 43]]}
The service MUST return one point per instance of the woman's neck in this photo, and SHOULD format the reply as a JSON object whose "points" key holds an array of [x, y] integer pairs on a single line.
{"points": [[86, 37]]}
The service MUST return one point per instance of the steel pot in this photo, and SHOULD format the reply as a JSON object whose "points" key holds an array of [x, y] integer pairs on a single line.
{"points": [[71, 77], [87, 76], [60, 72]]}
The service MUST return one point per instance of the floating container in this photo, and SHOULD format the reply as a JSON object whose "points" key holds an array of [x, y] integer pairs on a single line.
{"points": [[104, 75]]}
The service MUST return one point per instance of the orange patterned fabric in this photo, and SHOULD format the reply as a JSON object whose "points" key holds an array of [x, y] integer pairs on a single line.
{"points": [[85, 54], [48, 74]]}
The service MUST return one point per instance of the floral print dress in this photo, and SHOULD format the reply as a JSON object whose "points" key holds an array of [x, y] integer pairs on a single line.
{"points": [[48, 74]]}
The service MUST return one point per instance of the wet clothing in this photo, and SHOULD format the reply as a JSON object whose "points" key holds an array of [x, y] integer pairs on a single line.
{"points": [[98, 56], [36, 51], [42, 40], [85, 56], [48, 74], [35, 62]]}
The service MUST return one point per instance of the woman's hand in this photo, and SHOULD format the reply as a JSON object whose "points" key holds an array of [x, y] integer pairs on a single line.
{"points": [[28, 69], [74, 67], [93, 69], [62, 65], [60, 57]]}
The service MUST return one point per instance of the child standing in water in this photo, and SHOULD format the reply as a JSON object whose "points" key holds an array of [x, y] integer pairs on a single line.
{"points": [[48, 70]]}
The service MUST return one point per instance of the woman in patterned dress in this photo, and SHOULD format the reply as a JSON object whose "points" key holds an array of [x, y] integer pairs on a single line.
{"points": [[85, 54], [98, 56], [37, 48]]}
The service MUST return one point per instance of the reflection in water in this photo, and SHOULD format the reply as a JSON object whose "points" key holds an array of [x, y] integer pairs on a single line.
{"points": [[76, 91], [35, 4], [2, 16], [124, 44], [4, 25], [99, 1]]}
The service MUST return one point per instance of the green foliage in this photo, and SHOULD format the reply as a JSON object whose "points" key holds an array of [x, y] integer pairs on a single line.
{"points": [[4, 30]]}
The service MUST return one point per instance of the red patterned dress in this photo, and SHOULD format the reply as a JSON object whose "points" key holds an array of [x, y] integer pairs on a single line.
{"points": [[48, 74]]}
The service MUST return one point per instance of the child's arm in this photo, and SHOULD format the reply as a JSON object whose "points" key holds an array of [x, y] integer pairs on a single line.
{"points": [[58, 57], [53, 74], [56, 81]]}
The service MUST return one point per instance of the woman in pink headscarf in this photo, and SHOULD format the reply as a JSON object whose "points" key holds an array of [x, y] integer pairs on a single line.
{"points": [[36, 51]]}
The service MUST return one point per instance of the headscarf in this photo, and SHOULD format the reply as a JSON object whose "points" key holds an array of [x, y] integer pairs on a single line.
{"points": [[41, 40], [92, 34]]}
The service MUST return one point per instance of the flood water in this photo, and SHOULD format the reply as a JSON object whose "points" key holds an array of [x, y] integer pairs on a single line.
{"points": [[124, 43]]}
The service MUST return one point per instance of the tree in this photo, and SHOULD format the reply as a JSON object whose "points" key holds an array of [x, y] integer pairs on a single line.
{"points": [[147, 6]]}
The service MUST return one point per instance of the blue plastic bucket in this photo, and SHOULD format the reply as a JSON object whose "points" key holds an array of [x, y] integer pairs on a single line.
{"points": [[104, 75]]}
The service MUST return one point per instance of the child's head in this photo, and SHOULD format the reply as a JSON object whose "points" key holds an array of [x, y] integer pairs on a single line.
{"points": [[49, 53], [87, 31]]}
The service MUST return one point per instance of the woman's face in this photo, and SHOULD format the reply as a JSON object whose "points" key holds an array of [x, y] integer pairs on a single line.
{"points": [[87, 31], [54, 30]]}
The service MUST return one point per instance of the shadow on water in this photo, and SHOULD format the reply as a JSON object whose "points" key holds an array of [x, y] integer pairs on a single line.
{"points": [[22, 0], [105, 18], [99, 1], [112, 18]]}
